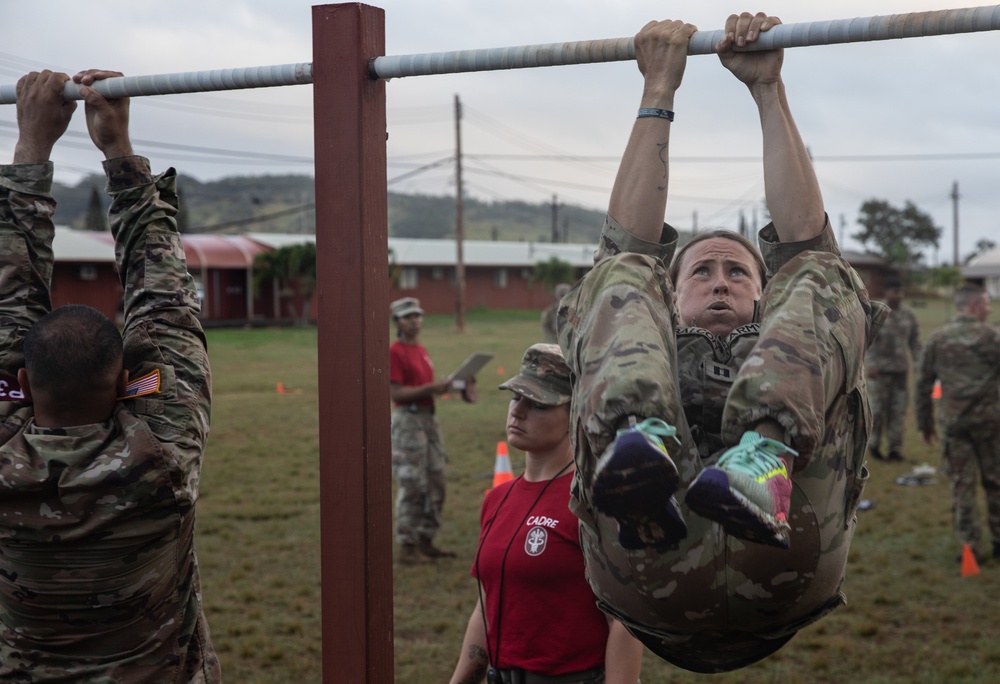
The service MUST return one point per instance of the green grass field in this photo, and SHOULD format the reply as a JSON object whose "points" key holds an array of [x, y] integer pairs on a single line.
{"points": [[910, 616]]}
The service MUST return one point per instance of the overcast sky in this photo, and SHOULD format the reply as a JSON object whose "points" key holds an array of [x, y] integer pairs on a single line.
{"points": [[931, 104]]}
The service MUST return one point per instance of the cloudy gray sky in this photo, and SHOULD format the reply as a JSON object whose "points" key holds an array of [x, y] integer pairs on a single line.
{"points": [[896, 120]]}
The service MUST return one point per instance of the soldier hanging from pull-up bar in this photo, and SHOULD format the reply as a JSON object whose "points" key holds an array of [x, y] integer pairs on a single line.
{"points": [[719, 409], [102, 433]]}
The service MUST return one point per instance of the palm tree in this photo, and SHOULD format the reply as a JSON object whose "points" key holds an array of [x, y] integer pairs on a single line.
{"points": [[293, 267]]}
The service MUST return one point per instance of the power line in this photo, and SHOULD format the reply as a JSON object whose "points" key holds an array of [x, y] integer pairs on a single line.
{"points": [[942, 156], [255, 219], [213, 151], [420, 170]]}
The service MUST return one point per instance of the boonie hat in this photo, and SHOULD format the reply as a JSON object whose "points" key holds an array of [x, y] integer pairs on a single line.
{"points": [[405, 306], [544, 376]]}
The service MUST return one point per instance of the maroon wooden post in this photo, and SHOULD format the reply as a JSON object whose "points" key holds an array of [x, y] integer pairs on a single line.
{"points": [[353, 290]]}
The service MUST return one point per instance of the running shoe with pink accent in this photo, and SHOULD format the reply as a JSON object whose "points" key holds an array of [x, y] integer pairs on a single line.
{"points": [[748, 491]]}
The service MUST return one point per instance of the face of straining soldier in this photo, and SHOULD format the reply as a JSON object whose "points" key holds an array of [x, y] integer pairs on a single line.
{"points": [[718, 283]]}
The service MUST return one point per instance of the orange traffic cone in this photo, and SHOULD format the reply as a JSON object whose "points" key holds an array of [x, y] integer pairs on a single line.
{"points": [[502, 471], [281, 389], [969, 565], [936, 392], [500, 370]]}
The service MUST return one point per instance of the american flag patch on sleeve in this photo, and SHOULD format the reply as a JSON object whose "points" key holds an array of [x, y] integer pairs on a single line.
{"points": [[140, 387]]}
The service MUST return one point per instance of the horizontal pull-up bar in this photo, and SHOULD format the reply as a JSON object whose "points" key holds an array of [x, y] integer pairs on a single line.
{"points": [[187, 82], [913, 25], [833, 32]]}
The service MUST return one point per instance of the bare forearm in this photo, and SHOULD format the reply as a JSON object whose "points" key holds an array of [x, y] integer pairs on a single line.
{"points": [[473, 660], [622, 656], [639, 197], [790, 185]]}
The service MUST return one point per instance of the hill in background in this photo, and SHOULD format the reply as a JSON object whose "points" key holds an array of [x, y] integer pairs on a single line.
{"points": [[286, 204]]}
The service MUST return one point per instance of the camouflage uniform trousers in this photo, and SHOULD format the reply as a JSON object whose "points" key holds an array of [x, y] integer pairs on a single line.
{"points": [[418, 464], [889, 396], [716, 602], [549, 323], [974, 452]]}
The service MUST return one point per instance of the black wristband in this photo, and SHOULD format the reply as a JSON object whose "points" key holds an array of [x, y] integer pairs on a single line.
{"points": [[654, 112]]}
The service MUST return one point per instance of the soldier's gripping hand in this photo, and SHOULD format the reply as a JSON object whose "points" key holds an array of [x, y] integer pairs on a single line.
{"points": [[42, 115]]}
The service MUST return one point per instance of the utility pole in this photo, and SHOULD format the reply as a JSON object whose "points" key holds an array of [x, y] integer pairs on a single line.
{"points": [[459, 224], [555, 218], [954, 218], [694, 222], [843, 225]]}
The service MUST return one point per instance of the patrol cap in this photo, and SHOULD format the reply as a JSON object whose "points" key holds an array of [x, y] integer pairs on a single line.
{"points": [[544, 376], [405, 306]]}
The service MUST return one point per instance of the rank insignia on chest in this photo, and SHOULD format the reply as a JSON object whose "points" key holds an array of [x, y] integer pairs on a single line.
{"points": [[719, 373]]}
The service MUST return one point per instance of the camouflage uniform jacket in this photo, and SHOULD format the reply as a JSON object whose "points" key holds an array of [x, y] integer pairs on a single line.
{"points": [[965, 356], [715, 603], [98, 576], [899, 333], [548, 322], [708, 365]]}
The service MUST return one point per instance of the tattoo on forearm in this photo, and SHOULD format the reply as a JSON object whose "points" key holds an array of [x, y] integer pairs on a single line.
{"points": [[478, 654], [662, 152]]}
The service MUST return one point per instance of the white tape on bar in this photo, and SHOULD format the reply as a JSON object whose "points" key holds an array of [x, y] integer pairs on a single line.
{"points": [[913, 25], [188, 82], [838, 31]]}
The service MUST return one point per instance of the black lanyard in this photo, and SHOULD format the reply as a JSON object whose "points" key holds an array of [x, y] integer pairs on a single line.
{"points": [[494, 658]]}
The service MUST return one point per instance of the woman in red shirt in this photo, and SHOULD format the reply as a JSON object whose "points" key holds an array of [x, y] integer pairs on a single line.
{"points": [[418, 455], [536, 614]]}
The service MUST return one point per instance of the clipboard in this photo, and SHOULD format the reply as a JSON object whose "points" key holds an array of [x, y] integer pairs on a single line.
{"points": [[469, 368]]}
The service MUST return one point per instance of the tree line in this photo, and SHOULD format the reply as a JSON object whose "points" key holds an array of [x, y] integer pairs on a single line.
{"points": [[900, 235], [286, 204]]}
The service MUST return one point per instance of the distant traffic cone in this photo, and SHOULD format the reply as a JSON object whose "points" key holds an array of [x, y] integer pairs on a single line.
{"points": [[281, 389], [936, 392], [969, 565], [499, 370], [502, 472]]}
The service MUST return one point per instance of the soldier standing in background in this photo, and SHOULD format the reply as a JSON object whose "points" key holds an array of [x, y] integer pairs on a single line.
{"points": [[888, 365], [418, 456], [965, 356], [549, 314]]}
